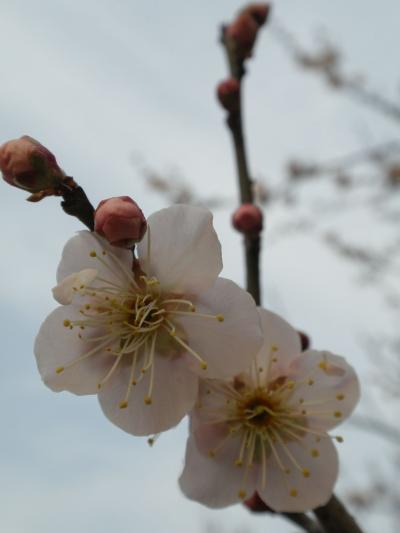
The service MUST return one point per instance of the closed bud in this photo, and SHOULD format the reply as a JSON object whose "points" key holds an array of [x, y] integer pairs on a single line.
{"points": [[121, 221], [228, 94], [259, 12], [243, 32], [248, 219], [28, 165]]}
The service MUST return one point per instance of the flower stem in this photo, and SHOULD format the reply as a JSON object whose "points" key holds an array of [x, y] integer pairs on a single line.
{"points": [[335, 518], [76, 203], [235, 124]]}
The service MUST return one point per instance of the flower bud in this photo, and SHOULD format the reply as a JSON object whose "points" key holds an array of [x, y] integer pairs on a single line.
{"points": [[243, 32], [120, 221], [228, 94], [28, 165], [259, 12], [248, 219]]}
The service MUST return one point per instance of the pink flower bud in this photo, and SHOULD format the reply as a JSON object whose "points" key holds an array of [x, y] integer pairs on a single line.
{"points": [[228, 94], [120, 221], [248, 219], [243, 32], [28, 165], [259, 12]]}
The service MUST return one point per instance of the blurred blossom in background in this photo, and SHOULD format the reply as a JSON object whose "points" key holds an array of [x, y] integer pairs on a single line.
{"points": [[121, 91]]}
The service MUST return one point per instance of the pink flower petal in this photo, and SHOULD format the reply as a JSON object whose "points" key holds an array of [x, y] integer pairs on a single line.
{"points": [[228, 347], [174, 394], [77, 256], [294, 492], [56, 346], [185, 253], [210, 482], [327, 388]]}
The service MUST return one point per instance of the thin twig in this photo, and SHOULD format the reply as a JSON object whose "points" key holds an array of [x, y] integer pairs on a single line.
{"points": [[76, 203], [335, 518], [235, 124]]}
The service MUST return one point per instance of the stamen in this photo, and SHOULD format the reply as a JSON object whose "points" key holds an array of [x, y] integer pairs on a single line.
{"points": [[203, 364]]}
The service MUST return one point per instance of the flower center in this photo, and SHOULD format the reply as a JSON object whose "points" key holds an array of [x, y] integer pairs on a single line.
{"points": [[264, 421]]}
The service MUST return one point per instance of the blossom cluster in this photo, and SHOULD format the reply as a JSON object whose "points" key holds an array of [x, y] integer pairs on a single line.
{"points": [[159, 335]]}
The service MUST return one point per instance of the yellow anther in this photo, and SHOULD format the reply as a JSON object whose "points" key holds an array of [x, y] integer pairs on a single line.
{"points": [[242, 494], [123, 404], [293, 493], [274, 359], [59, 369], [310, 382], [337, 414], [306, 472], [339, 439], [290, 385], [93, 253], [87, 306], [274, 348], [220, 318], [67, 323], [314, 452], [203, 365], [147, 400], [239, 463], [134, 382], [98, 386], [301, 400], [323, 365], [340, 396], [150, 441], [211, 453]]}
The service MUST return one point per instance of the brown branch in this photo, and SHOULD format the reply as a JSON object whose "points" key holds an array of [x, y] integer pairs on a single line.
{"points": [[76, 203], [235, 124], [335, 518]]}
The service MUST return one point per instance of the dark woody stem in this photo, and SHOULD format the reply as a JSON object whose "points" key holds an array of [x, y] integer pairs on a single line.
{"points": [[76, 203], [235, 124], [332, 517], [335, 518]]}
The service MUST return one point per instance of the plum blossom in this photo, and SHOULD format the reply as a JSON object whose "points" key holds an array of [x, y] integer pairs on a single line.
{"points": [[265, 430], [140, 338]]}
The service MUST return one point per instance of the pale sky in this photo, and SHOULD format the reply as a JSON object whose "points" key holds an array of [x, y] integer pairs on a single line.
{"points": [[97, 81]]}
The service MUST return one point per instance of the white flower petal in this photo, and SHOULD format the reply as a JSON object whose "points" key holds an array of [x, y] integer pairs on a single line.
{"points": [[64, 292], [327, 387], [185, 253], [56, 346], [293, 492], [76, 257], [281, 342], [210, 482], [174, 395], [228, 347]]}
